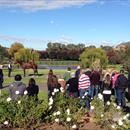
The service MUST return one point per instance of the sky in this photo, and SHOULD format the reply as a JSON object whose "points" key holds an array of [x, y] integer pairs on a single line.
{"points": [[34, 23]]}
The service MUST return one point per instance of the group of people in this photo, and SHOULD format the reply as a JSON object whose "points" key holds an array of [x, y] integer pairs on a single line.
{"points": [[88, 84]]}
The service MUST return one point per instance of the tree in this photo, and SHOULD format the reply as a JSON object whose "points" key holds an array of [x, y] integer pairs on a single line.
{"points": [[3, 53], [26, 55], [15, 47], [94, 55]]}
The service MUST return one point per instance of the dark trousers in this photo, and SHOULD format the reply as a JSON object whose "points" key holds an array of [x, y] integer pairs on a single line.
{"points": [[9, 73], [106, 98]]}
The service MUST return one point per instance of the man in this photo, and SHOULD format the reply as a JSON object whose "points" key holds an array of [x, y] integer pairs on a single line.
{"points": [[17, 88], [67, 74], [120, 85], [84, 88], [9, 69]]}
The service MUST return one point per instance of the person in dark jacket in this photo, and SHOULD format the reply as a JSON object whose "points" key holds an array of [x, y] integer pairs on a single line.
{"points": [[72, 86], [120, 85], [95, 80], [32, 88], [1, 78], [107, 88]]}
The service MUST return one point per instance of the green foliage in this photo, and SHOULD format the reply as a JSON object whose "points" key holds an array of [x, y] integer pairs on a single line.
{"points": [[110, 115], [15, 47], [68, 108], [22, 113], [26, 55], [91, 55]]}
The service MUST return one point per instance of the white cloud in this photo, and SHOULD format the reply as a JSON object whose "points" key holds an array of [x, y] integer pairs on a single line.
{"points": [[34, 5]]}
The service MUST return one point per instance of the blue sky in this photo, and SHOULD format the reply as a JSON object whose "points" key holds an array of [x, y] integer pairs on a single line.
{"points": [[36, 22]]}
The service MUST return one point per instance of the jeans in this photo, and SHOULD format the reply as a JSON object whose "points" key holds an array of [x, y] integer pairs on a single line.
{"points": [[87, 100], [120, 97], [94, 90]]}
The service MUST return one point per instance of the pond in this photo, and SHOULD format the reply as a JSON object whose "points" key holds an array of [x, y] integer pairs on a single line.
{"points": [[56, 67]]}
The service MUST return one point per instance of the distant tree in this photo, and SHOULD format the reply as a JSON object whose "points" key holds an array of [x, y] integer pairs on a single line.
{"points": [[3, 53], [26, 55], [15, 47], [94, 55]]}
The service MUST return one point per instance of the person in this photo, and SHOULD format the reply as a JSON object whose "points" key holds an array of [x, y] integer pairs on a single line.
{"points": [[32, 88], [1, 78], [72, 86], [84, 88], [17, 88], [52, 82], [107, 88], [128, 69], [77, 72], [9, 69], [67, 74], [95, 81], [120, 85]]}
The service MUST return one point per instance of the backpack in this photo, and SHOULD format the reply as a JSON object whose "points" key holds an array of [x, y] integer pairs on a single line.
{"points": [[122, 82]]}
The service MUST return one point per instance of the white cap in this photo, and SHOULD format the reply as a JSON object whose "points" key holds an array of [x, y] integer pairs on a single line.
{"points": [[78, 67]]}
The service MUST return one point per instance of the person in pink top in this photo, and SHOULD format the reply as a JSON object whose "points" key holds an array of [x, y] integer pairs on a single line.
{"points": [[84, 88], [114, 79]]}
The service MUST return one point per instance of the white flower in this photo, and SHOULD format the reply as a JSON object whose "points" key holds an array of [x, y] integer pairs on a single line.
{"points": [[83, 97], [58, 113], [113, 126], [50, 99], [8, 99], [54, 114], [124, 117], [6, 123], [118, 107], [127, 115], [68, 111], [92, 107], [68, 119], [120, 123], [16, 92], [56, 120], [50, 103], [86, 93], [100, 96], [53, 93], [108, 103], [19, 102], [62, 89], [55, 90], [25, 92], [74, 127], [102, 115], [50, 107]]}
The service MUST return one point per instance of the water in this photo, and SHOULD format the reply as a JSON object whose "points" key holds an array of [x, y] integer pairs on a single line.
{"points": [[56, 67]]}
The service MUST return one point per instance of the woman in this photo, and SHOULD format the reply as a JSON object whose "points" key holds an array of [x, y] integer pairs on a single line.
{"points": [[32, 88], [107, 88]]}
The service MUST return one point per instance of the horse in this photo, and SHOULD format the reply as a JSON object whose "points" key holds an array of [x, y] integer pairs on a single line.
{"points": [[29, 65]]}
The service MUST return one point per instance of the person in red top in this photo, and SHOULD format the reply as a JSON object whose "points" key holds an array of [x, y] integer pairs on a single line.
{"points": [[95, 81], [84, 88]]}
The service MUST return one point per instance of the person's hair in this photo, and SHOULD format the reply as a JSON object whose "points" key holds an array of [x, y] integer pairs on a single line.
{"points": [[69, 68], [18, 77], [50, 72], [32, 81], [107, 79]]}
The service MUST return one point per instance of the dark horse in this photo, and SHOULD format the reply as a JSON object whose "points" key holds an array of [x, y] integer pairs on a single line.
{"points": [[29, 65]]}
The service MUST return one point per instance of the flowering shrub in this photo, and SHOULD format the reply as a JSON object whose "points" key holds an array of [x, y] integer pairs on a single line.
{"points": [[66, 111], [21, 113], [110, 115]]}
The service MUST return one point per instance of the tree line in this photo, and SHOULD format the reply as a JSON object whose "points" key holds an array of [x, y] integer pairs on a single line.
{"points": [[59, 51]]}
